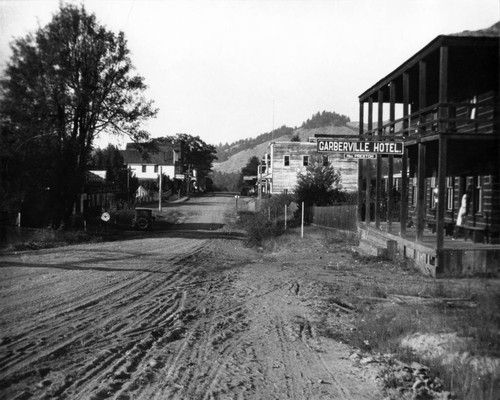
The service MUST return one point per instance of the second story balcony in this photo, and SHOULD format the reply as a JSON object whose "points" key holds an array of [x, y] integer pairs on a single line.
{"points": [[449, 87]]}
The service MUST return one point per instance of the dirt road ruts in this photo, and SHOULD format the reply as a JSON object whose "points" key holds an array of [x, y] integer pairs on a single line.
{"points": [[189, 313]]}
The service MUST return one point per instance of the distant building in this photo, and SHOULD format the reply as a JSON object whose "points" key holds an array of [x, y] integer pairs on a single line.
{"points": [[285, 160], [147, 165]]}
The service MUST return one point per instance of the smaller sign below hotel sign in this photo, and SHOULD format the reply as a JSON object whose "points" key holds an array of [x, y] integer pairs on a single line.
{"points": [[359, 156], [359, 147]]}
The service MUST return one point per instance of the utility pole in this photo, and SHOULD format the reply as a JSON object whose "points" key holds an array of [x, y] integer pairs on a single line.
{"points": [[188, 179], [272, 132], [159, 191], [128, 184]]}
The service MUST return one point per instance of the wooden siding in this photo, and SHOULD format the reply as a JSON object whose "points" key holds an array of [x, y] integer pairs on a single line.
{"points": [[478, 116], [285, 177], [489, 215]]}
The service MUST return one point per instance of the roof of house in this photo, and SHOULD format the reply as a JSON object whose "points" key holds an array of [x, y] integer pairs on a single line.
{"points": [[492, 31], [95, 176], [139, 154], [132, 156]]}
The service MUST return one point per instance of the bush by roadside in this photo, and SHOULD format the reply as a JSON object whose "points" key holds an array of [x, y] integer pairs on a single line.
{"points": [[49, 238], [267, 221]]}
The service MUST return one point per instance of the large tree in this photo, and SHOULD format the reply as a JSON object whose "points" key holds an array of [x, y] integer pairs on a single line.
{"points": [[196, 154], [64, 84], [251, 169], [109, 159]]}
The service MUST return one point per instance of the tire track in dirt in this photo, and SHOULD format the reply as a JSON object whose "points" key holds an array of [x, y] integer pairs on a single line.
{"points": [[85, 311], [136, 340], [165, 318], [149, 298]]}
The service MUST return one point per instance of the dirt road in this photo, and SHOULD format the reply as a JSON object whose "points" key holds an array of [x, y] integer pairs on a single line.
{"points": [[185, 314]]}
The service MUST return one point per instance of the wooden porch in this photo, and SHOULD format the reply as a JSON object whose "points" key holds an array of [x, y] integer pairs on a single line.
{"points": [[443, 103], [456, 257]]}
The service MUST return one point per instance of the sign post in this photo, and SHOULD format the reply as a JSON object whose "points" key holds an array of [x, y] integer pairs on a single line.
{"points": [[285, 215], [302, 223]]}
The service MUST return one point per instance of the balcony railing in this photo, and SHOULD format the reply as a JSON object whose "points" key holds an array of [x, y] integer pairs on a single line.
{"points": [[454, 118]]}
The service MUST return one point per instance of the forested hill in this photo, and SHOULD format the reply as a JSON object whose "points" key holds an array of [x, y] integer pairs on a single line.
{"points": [[243, 150], [318, 120]]}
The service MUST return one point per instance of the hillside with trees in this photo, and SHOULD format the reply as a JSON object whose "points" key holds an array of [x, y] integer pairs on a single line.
{"points": [[318, 120], [225, 151], [233, 157], [326, 118]]}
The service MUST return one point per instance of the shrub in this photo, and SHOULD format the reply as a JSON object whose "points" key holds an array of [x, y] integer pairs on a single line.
{"points": [[268, 221], [259, 227]]}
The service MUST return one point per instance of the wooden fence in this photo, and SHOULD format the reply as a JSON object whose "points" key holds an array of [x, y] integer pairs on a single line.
{"points": [[342, 216]]}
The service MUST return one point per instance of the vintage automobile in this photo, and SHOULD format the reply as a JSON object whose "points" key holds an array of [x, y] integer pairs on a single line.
{"points": [[143, 218]]}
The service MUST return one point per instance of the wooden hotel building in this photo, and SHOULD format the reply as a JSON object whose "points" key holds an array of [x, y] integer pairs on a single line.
{"points": [[443, 104]]}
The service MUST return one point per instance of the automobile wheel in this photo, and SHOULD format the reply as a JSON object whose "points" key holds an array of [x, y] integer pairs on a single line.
{"points": [[142, 223]]}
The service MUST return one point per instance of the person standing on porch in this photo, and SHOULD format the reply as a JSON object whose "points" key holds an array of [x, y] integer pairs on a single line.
{"points": [[463, 211]]}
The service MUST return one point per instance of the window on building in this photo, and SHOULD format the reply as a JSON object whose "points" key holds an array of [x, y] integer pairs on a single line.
{"points": [[286, 161], [478, 195], [450, 192], [156, 169], [325, 161], [143, 168], [305, 161]]}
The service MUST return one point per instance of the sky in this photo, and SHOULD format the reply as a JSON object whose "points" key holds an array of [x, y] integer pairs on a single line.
{"points": [[227, 70]]}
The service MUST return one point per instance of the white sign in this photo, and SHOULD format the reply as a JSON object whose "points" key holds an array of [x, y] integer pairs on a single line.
{"points": [[359, 156], [349, 146]]}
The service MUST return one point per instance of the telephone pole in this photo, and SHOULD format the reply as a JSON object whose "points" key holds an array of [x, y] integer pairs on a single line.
{"points": [[159, 190]]}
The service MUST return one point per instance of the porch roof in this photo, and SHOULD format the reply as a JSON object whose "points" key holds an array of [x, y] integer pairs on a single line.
{"points": [[468, 47]]}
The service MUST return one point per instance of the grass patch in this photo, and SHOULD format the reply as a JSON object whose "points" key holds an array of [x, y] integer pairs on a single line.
{"points": [[44, 239], [468, 370], [392, 302]]}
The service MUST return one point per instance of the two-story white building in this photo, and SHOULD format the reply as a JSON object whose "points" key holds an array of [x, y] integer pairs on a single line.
{"points": [[148, 166]]}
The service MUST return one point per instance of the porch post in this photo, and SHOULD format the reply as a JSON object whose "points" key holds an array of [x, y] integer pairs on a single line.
{"points": [[377, 169], [378, 181], [422, 91], [421, 192], [360, 162], [392, 117], [368, 167], [443, 89], [360, 190], [406, 102], [443, 144], [403, 212]]}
